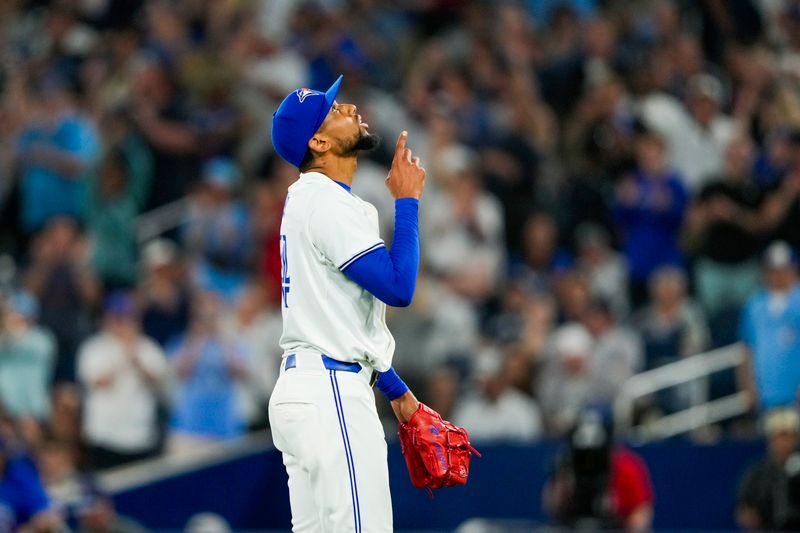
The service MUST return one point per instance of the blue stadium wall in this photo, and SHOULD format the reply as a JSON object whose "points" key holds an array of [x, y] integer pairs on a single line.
{"points": [[695, 488]]}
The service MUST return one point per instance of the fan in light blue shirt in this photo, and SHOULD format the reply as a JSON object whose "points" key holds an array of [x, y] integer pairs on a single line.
{"points": [[770, 328], [56, 155]]}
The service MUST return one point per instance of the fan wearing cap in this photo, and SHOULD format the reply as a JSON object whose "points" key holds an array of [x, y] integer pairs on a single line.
{"points": [[765, 500], [217, 232], [337, 278], [56, 152], [27, 359], [121, 371], [770, 329], [696, 134]]}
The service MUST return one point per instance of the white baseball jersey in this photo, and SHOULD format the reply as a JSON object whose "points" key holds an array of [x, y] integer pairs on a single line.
{"points": [[324, 229]]}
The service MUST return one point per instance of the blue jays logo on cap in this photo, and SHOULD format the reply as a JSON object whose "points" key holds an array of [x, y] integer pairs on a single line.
{"points": [[302, 93], [298, 118]]}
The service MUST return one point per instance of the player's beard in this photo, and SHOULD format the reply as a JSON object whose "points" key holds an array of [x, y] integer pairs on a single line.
{"points": [[361, 142]]}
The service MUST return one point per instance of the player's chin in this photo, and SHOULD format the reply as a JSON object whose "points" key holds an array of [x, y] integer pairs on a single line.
{"points": [[367, 141]]}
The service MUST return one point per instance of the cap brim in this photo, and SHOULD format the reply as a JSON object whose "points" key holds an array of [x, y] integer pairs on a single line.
{"points": [[330, 96]]}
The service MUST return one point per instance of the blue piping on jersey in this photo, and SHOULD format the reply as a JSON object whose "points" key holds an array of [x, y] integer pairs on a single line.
{"points": [[351, 467], [391, 276], [359, 255], [343, 185]]}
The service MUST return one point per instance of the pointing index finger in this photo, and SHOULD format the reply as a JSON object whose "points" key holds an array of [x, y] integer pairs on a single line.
{"points": [[401, 143]]}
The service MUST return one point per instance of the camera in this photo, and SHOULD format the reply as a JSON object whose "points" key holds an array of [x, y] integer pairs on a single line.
{"points": [[585, 467]]}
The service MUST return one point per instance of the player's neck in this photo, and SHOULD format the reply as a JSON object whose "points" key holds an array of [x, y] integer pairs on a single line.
{"points": [[339, 169]]}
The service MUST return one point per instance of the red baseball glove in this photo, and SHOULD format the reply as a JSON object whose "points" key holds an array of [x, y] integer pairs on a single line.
{"points": [[437, 452]]}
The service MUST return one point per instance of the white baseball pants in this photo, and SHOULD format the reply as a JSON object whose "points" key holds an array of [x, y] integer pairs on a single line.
{"points": [[325, 423]]}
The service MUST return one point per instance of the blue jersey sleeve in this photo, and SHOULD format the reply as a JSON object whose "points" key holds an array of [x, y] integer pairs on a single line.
{"points": [[392, 276]]}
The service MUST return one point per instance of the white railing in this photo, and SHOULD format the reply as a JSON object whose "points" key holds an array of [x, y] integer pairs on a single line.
{"points": [[142, 473], [160, 220], [692, 370]]}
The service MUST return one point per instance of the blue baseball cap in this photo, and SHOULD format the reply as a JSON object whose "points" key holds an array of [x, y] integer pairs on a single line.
{"points": [[121, 304], [25, 304], [221, 171], [298, 118]]}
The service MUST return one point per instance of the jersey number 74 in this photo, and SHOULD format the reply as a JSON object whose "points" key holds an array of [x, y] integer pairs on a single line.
{"points": [[284, 273]]}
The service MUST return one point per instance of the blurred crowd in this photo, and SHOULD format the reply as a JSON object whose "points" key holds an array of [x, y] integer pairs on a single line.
{"points": [[612, 186]]}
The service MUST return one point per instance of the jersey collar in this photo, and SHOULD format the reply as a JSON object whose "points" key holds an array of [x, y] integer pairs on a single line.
{"points": [[319, 176]]}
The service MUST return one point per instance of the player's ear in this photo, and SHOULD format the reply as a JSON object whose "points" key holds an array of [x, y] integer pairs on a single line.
{"points": [[319, 143]]}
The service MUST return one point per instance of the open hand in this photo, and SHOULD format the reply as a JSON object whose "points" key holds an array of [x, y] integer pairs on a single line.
{"points": [[406, 177]]}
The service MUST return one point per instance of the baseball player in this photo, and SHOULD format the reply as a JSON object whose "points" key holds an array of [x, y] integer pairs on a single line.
{"points": [[337, 278]]}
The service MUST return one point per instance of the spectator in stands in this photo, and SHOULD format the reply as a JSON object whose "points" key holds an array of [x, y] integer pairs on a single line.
{"points": [[539, 319], [96, 514], [440, 327], [771, 334], [498, 412], [217, 235], [605, 268], [77, 496], [617, 353], [724, 230], [519, 371], [255, 324], [266, 199], [120, 136], [161, 117], [464, 228], [122, 372], [24, 505], [14, 114], [523, 319], [565, 380], [573, 294], [781, 208], [208, 367], [768, 493], [598, 485], [648, 210], [599, 145], [673, 325], [593, 367], [65, 418], [164, 292], [775, 159], [117, 195], [27, 360], [697, 141], [525, 126], [56, 150], [56, 461], [542, 258], [442, 390], [62, 280]]}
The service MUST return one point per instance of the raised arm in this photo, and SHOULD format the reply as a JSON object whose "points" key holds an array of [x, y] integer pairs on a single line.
{"points": [[392, 276]]}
